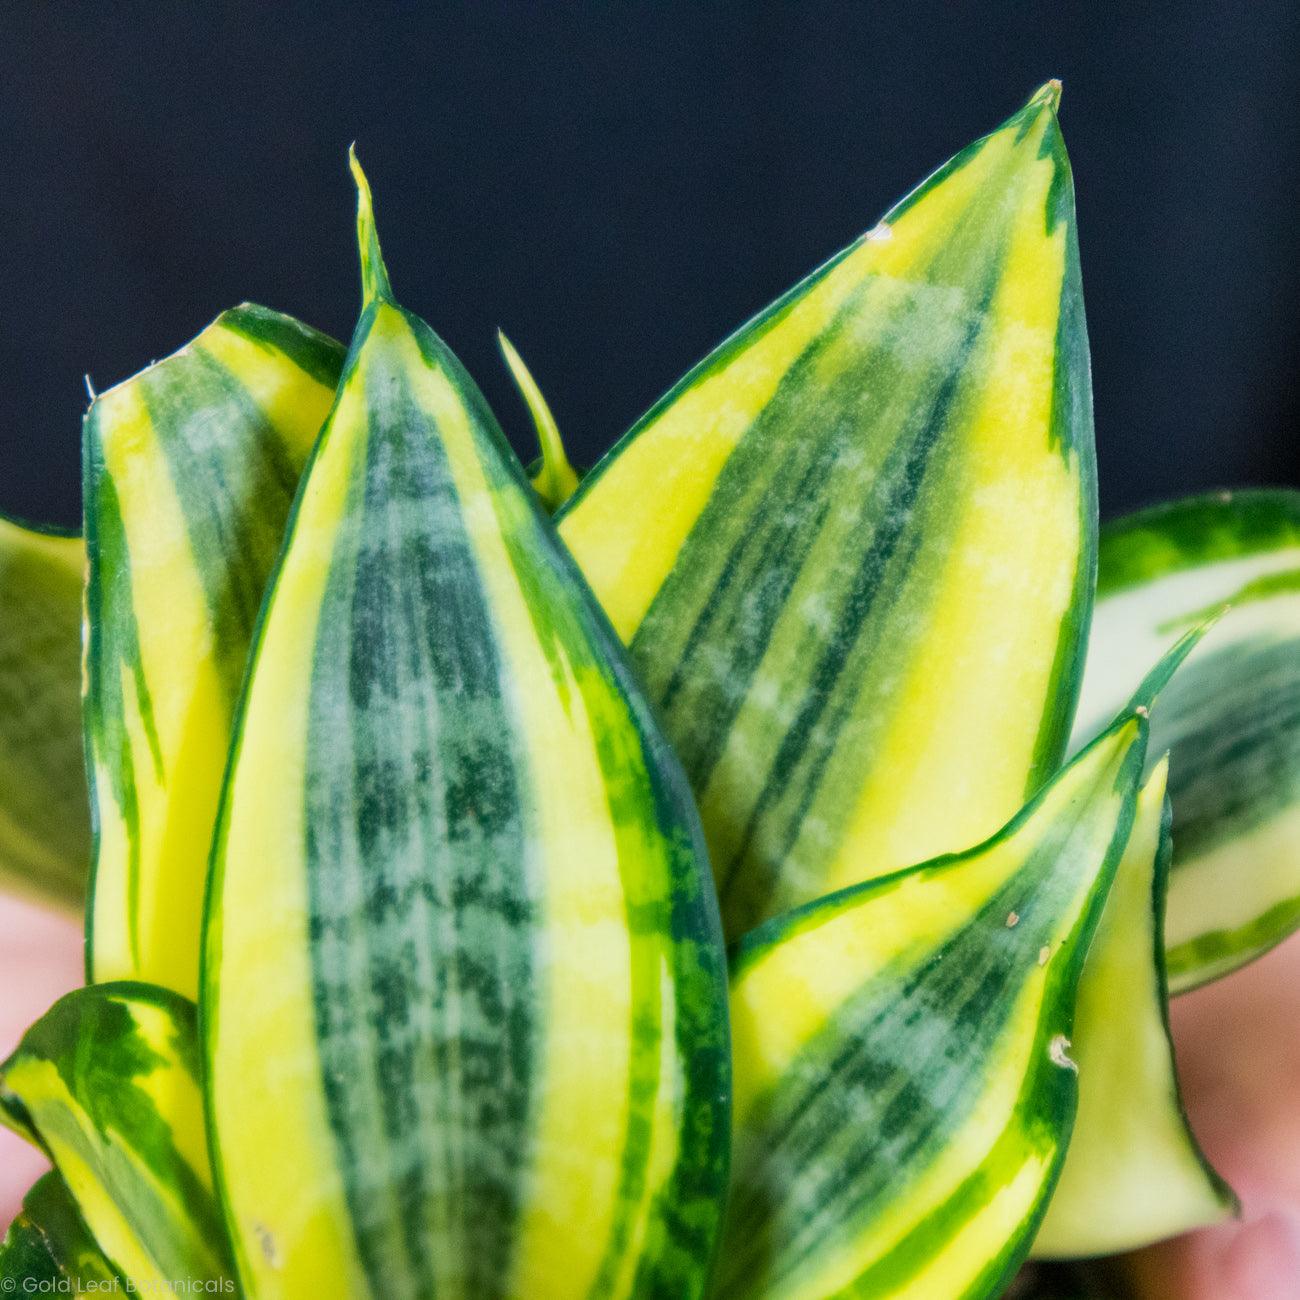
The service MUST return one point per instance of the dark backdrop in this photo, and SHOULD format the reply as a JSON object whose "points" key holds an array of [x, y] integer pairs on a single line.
{"points": [[620, 185]]}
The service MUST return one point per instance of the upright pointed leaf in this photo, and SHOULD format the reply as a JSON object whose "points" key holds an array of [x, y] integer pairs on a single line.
{"points": [[48, 1249], [903, 1086], [107, 1084], [1134, 1172], [190, 469], [1230, 718], [460, 910], [553, 478], [44, 819], [852, 551]]}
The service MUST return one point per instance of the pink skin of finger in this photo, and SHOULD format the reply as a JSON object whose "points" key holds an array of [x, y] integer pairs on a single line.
{"points": [[1238, 1045], [40, 960]]}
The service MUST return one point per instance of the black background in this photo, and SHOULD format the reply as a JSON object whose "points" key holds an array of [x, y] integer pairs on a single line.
{"points": [[620, 185]]}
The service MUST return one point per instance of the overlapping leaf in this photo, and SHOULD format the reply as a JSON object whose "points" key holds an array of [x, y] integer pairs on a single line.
{"points": [[107, 1084], [44, 820], [190, 469], [211, 442], [903, 1086], [460, 910], [852, 552], [1230, 718], [48, 1249], [1134, 1173]]}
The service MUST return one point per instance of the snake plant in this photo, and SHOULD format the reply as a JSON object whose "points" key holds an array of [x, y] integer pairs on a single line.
{"points": [[757, 870]]}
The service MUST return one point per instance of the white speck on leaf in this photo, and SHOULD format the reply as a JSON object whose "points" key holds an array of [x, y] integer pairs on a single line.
{"points": [[1013, 920], [1058, 1052], [1043, 954]]}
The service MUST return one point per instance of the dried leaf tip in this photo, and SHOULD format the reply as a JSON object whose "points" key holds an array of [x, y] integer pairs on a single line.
{"points": [[1048, 94], [374, 274]]}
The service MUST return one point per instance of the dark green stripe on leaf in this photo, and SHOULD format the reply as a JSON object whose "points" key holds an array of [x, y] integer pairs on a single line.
{"points": [[113, 647], [314, 353], [48, 1249], [901, 1068], [418, 866], [234, 490], [854, 473], [1232, 716], [1178, 535], [111, 1129]]}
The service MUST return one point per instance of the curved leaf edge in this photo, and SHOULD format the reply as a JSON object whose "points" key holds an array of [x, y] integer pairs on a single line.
{"points": [[1200, 529]]}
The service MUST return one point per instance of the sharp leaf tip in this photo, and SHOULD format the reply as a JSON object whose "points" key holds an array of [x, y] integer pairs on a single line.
{"points": [[374, 274], [1048, 94]]}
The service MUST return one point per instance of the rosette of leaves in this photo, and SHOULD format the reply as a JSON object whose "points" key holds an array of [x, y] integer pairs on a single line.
{"points": [[758, 870]]}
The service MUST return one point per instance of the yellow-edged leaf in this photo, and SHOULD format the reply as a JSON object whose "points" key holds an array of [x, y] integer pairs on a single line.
{"points": [[851, 553], [107, 1084], [190, 469], [460, 912], [904, 1088]]}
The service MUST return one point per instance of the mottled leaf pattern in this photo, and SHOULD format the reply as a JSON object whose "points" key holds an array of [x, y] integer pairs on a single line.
{"points": [[107, 1084], [852, 552], [1230, 718], [904, 1088], [44, 820], [190, 469], [461, 911], [48, 1249]]}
